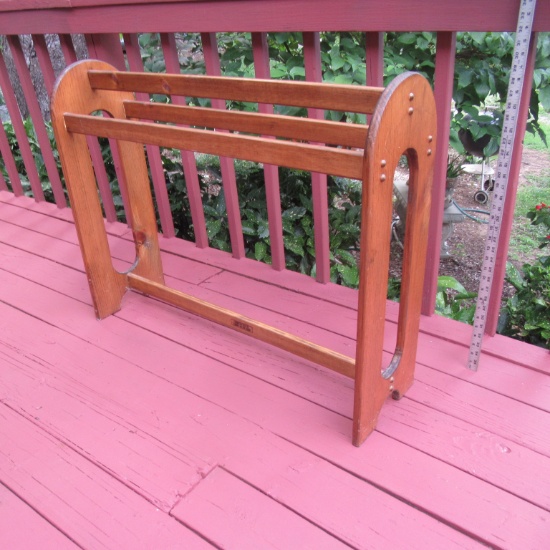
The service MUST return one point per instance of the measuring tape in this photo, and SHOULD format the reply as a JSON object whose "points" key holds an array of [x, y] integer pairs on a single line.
{"points": [[517, 74]]}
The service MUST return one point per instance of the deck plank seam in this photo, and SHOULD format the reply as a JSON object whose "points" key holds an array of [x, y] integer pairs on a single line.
{"points": [[395, 495], [40, 514], [469, 381], [288, 507], [462, 469], [164, 507], [23, 499]]}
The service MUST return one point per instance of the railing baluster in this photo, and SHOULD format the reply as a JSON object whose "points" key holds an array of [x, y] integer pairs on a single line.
{"points": [[170, 51], [375, 58], [46, 68], [38, 121], [9, 163], [108, 48], [3, 184], [443, 91], [44, 61], [135, 63], [312, 60], [20, 133], [271, 173], [67, 47], [212, 62]]}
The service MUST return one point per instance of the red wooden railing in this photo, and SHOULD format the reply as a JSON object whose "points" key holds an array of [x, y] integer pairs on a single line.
{"points": [[103, 21]]}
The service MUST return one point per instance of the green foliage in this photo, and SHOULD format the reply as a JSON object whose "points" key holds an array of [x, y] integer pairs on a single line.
{"points": [[452, 299], [527, 313], [482, 71], [540, 215], [409, 51], [297, 215], [37, 156]]}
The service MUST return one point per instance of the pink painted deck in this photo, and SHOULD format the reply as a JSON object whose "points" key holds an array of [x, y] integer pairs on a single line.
{"points": [[156, 429]]}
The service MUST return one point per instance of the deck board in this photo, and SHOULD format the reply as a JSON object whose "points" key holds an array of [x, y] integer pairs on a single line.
{"points": [[175, 413], [23, 527]]}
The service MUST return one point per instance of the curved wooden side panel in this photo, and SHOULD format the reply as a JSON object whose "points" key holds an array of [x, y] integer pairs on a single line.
{"points": [[404, 122], [73, 94]]}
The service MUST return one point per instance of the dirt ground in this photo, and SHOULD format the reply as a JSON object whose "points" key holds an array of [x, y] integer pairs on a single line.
{"points": [[467, 242]]}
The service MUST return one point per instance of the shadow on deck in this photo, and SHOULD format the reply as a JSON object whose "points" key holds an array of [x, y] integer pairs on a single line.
{"points": [[156, 429]]}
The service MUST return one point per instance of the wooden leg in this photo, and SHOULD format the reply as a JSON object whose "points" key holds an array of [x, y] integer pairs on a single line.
{"points": [[107, 286], [404, 123]]}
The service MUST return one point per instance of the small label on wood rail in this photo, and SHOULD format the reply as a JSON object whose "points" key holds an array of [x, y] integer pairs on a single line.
{"points": [[242, 326]]}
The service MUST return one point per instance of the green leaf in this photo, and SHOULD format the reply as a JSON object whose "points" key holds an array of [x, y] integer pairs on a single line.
{"points": [[297, 71], [350, 275], [337, 63], [445, 282], [213, 228], [465, 77], [482, 87], [344, 79], [294, 213], [514, 276], [544, 97], [294, 244], [407, 38], [248, 228], [260, 251]]}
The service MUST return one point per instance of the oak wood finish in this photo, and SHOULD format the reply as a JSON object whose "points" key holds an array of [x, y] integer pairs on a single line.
{"points": [[403, 122], [73, 93], [299, 129], [339, 97]]}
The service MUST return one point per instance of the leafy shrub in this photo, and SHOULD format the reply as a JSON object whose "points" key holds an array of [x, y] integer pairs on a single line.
{"points": [[37, 156], [526, 315], [297, 215], [452, 300], [527, 312]]}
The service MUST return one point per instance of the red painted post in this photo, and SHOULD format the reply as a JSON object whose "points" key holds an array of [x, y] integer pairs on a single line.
{"points": [[443, 91], [212, 62], [133, 54], [375, 58], [271, 173], [170, 51], [312, 62], [20, 133], [511, 192]]}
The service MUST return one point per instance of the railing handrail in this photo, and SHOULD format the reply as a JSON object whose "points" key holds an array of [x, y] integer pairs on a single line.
{"points": [[88, 16]]}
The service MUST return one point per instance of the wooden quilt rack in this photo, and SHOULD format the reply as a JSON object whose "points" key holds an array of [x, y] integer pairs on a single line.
{"points": [[403, 122]]}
